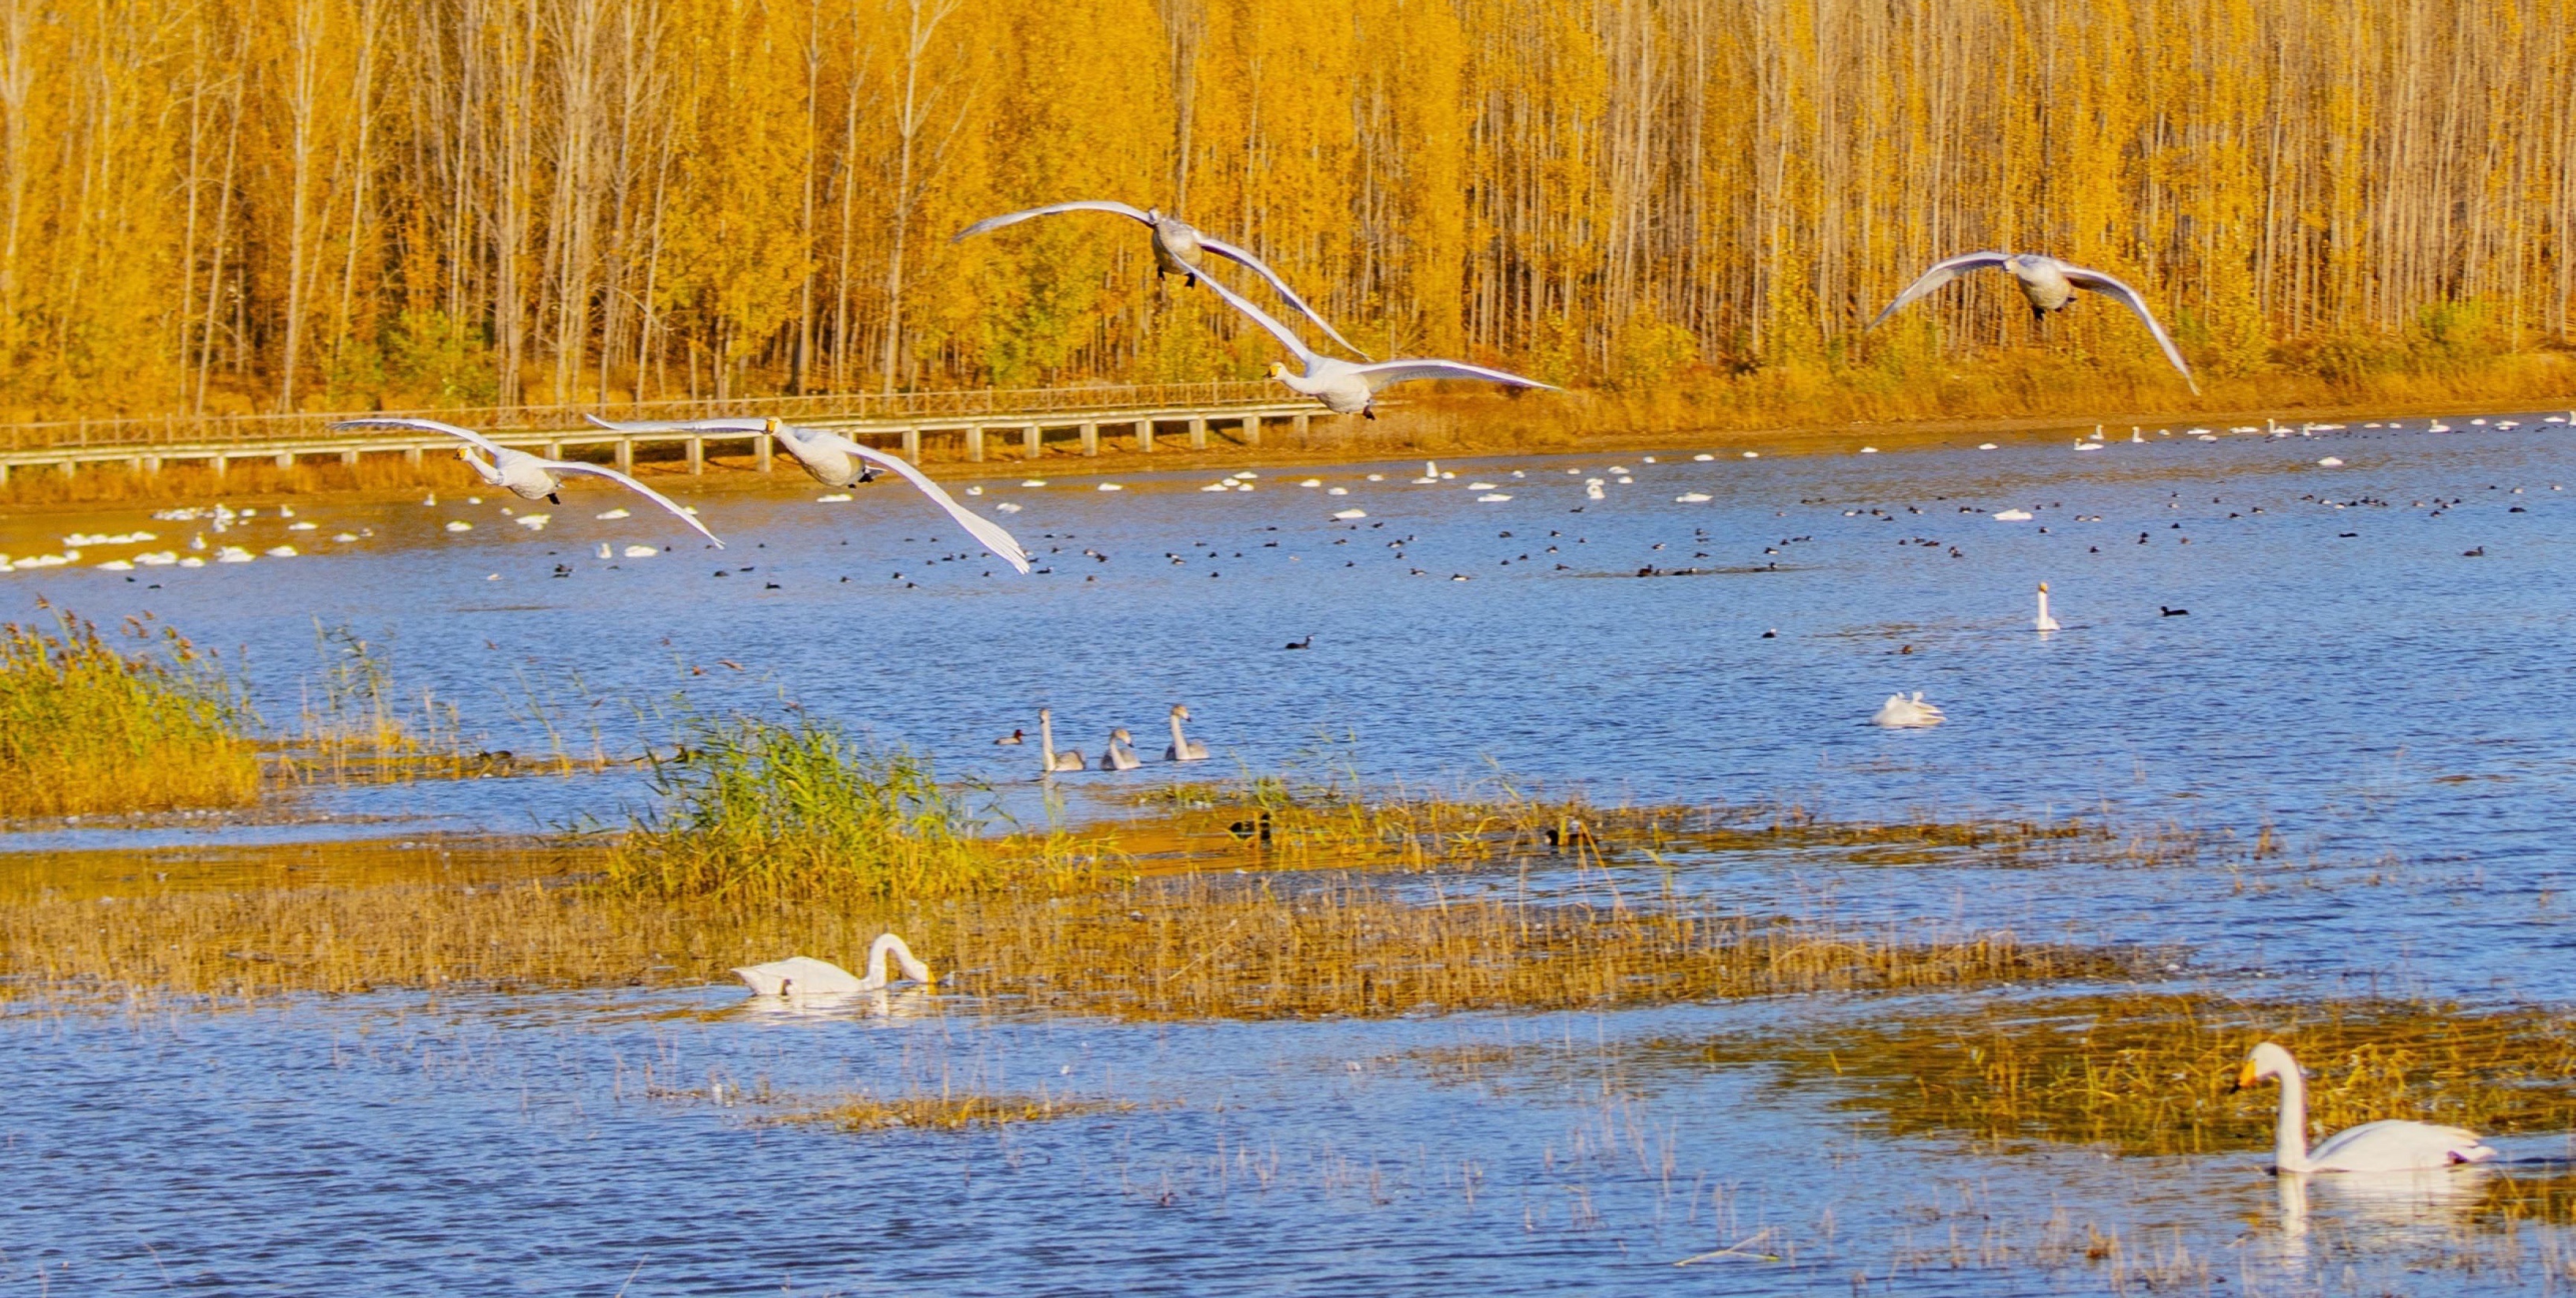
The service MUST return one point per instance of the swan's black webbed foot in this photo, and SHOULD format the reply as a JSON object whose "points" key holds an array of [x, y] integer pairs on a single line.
{"points": [[1368, 412], [553, 499]]}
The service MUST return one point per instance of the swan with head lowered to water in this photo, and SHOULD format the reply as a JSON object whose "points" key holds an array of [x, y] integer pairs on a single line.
{"points": [[1120, 753], [2392, 1145], [1183, 749], [1900, 712], [806, 976]]}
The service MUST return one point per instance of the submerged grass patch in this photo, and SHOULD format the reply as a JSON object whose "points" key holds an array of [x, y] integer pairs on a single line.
{"points": [[949, 1112], [2153, 1073], [91, 725]]}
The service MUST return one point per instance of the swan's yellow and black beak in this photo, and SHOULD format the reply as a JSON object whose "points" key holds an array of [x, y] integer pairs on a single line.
{"points": [[2244, 1077]]}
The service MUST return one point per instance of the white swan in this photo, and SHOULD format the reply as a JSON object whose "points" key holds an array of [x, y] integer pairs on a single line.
{"points": [[2049, 284], [1904, 713], [1177, 245], [2044, 622], [526, 476], [2393, 1145], [836, 461], [806, 976], [1183, 749], [1350, 389], [1049, 759], [1121, 756]]}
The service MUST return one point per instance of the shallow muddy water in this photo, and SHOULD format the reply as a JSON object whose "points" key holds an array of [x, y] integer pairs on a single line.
{"points": [[2392, 708]]}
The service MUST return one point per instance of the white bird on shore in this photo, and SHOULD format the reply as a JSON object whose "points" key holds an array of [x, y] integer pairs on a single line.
{"points": [[806, 976], [528, 476], [1350, 389], [1051, 761], [1183, 749], [2044, 622], [836, 461], [1900, 712], [1120, 755], [2050, 285], [2392, 1145], [1177, 245]]}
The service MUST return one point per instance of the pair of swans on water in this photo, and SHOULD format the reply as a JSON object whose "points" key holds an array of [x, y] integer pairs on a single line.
{"points": [[1120, 755], [1902, 713], [2391, 1145]]}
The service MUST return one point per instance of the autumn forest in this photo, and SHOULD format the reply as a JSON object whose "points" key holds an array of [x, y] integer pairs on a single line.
{"points": [[311, 204]]}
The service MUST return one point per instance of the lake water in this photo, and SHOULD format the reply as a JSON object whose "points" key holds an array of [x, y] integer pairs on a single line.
{"points": [[2390, 705]]}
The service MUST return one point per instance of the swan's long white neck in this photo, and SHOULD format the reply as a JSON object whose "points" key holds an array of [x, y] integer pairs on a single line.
{"points": [[1046, 738], [2290, 1137], [490, 473], [1179, 745], [889, 944], [2043, 606]]}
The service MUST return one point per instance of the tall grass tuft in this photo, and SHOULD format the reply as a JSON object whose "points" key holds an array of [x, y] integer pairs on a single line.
{"points": [[761, 811], [86, 726]]}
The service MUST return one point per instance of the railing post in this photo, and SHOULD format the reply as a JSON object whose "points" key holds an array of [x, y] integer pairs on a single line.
{"points": [[760, 449], [912, 446], [697, 453], [1252, 430], [350, 457], [1032, 440], [286, 459], [1145, 436], [1198, 432], [1091, 439], [626, 455], [974, 443], [411, 458], [1301, 428]]}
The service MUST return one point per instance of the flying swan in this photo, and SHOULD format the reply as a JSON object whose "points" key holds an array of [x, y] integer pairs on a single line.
{"points": [[2050, 285], [836, 461], [1177, 245], [529, 477], [2392, 1145], [807, 976], [1350, 389]]}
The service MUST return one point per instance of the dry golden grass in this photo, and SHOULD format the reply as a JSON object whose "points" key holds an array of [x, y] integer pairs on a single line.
{"points": [[184, 482], [1185, 945], [89, 724], [2154, 1073], [946, 1112]]}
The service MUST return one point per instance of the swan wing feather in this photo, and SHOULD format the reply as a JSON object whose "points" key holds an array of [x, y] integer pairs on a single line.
{"points": [[1286, 294], [983, 529], [1296, 346], [992, 223], [731, 424], [603, 471], [1942, 272], [423, 425], [2396, 1145], [2111, 287], [1386, 374]]}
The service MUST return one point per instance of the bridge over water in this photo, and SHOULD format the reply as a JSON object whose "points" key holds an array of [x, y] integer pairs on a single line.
{"points": [[1030, 422]]}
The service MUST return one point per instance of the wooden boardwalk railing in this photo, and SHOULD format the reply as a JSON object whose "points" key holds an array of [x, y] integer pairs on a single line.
{"points": [[1234, 410]]}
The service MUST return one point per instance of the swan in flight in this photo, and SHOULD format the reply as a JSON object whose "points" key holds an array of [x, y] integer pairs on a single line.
{"points": [[1177, 245], [2044, 622], [836, 461], [528, 477], [1121, 754], [1350, 389], [1903, 713], [806, 976], [1183, 749], [2394, 1145], [2050, 285], [1052, 761]]}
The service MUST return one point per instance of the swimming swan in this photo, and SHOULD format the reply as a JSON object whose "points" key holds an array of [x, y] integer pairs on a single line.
{"points": [[2050, 285], [2044, 622], [529, 477], [1350, 389], [1050, 760], [1904, 713], [1120, 755], [1177, 245], [806, 976], [1182, 749], [835, 461], [2393, 1145]]}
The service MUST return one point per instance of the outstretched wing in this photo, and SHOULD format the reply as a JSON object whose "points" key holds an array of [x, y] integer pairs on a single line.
{"points": [[984, 529], [1287, 294], [991, 223], [736, 424], [2109, 287], [575, 466], [1940, 274], [1296, 346], [423, 425], [1388, 373]]}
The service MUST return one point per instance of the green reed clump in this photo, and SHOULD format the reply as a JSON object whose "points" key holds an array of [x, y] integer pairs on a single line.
{"points": [[758, 810], [86, 726]]}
